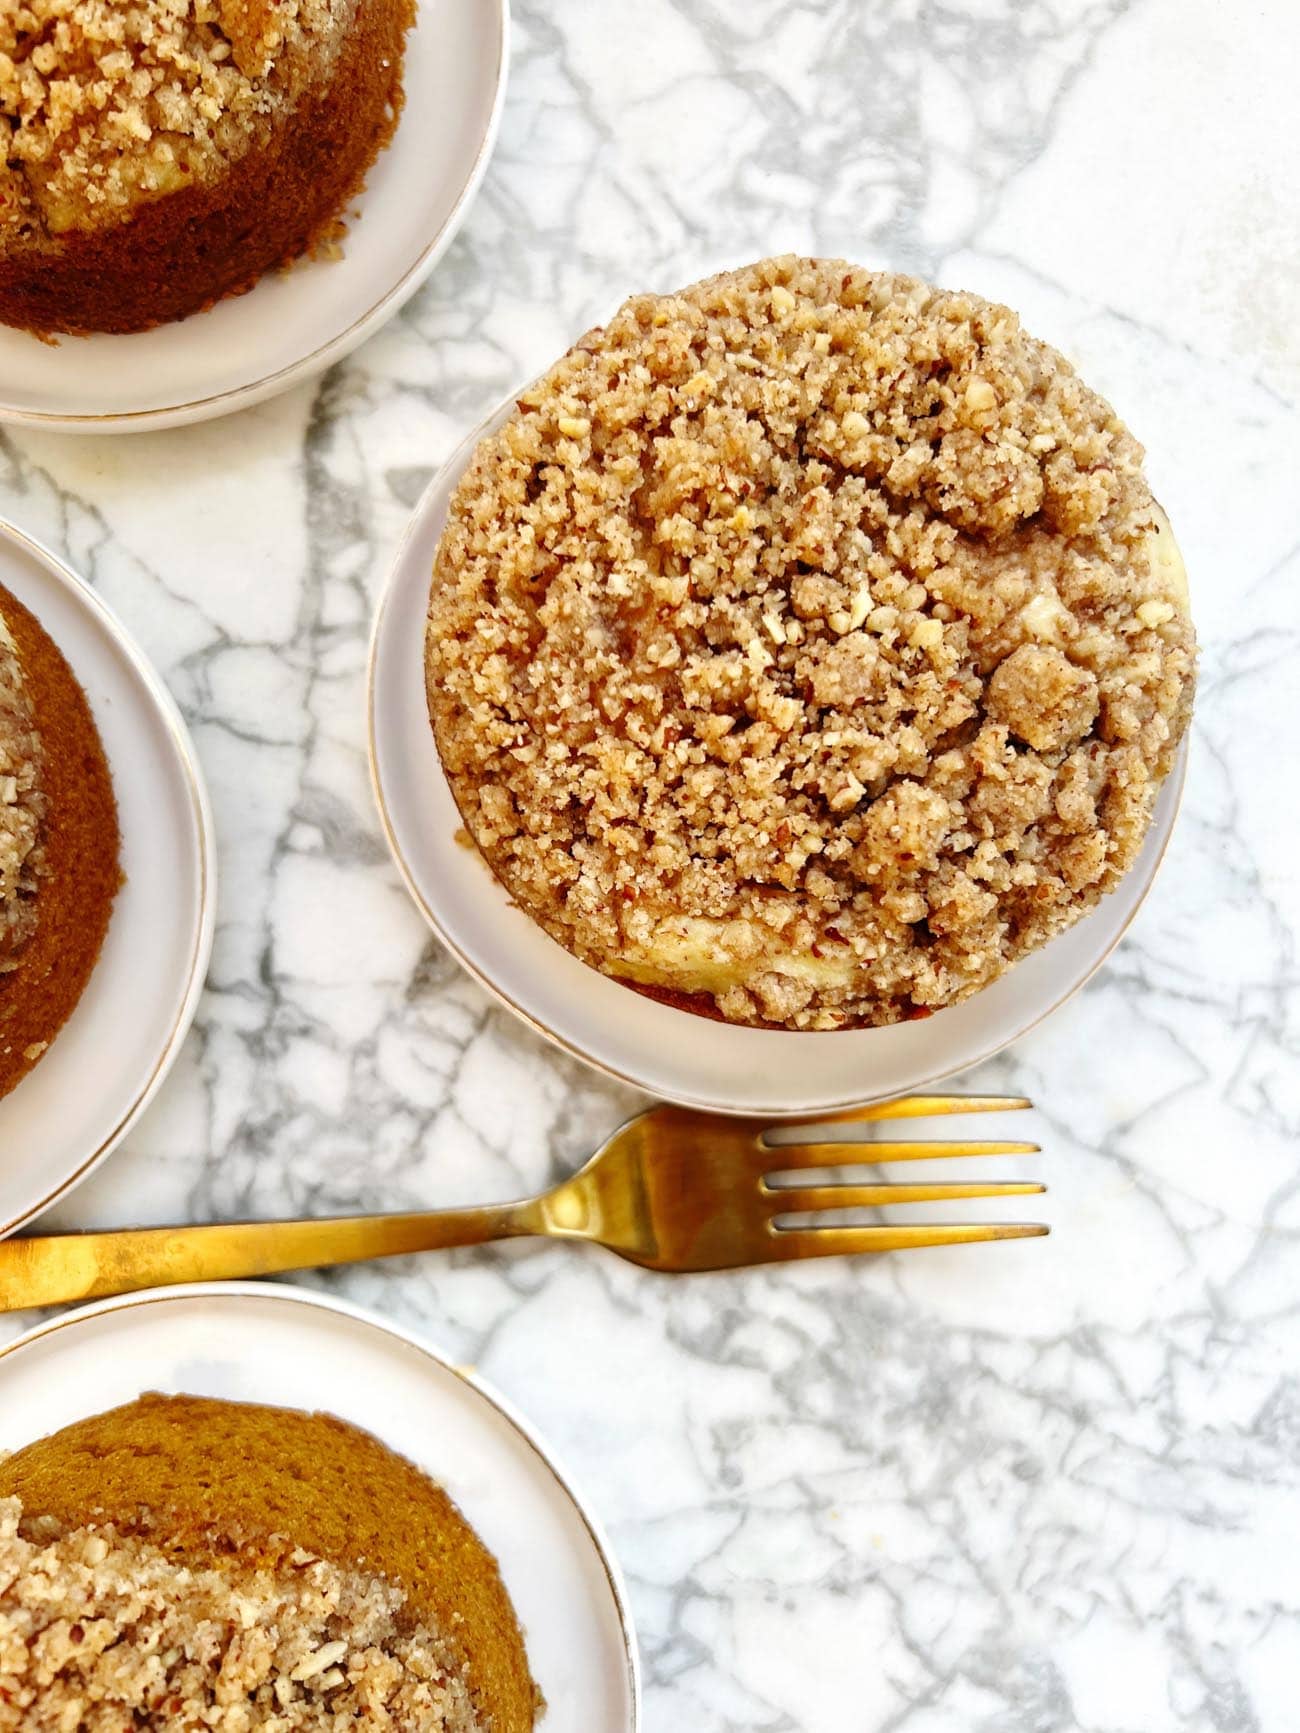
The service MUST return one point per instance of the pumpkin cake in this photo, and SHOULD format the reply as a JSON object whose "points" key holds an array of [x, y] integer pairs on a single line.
{"points": [[807, 646], [183, 1562], [59, 842], [157, 156]]}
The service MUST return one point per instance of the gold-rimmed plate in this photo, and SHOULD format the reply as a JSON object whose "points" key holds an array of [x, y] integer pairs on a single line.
{"points": [[108, 1061], [669, 1052], [250, 1342], [295, 324]]}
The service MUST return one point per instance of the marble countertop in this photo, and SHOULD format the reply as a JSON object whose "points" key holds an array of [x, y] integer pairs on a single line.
{"points": [[1045, 1486]]}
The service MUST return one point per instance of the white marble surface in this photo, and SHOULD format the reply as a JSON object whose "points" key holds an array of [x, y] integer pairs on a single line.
{"points": [[1040, 1487]]}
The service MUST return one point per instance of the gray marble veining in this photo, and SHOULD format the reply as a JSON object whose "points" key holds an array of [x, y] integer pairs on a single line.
{"points": [[1022, 1489]]}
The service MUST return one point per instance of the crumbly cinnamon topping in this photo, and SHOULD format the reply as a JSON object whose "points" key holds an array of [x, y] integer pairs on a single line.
{"points": [[811, 640], [105, 1632], [22, 808], [104, 104]]}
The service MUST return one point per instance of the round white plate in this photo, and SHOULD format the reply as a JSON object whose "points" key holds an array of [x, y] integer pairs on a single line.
{"points": [[297, 323], [672, 1054], [108, 1060], [252, 1342]]}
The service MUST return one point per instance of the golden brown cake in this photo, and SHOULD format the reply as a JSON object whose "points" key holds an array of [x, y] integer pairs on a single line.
{"points": [[183, 1562], [59, 843], [807, 647], [157, 156]]}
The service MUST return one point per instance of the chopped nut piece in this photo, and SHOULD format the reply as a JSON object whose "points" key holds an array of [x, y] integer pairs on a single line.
{"points": [[845, 793], [1155, 613], [324, 1657], [1043, 615]]}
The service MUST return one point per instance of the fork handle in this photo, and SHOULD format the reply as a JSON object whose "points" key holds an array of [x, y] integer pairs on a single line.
{"points": [[53, 1269]]}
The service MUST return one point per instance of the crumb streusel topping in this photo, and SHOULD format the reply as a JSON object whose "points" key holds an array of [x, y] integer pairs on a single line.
{"points": [[22, 808], [105, 1632], [103, 104], [810, 640]]}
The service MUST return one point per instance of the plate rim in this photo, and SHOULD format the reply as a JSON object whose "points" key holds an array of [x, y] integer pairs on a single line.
{"points": [[292, 1293], [455, 462], [178, 734], [336, 348]]}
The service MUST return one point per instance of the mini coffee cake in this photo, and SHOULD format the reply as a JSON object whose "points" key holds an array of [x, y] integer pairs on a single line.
{"points": [[59, 841], [188, 1563], [157, 156], [808, 646]]}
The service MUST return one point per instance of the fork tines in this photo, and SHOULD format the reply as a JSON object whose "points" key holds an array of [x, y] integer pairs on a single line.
{"points": [[796, 1198]]}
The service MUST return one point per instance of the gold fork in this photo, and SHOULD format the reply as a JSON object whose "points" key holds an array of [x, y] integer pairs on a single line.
{"points": [[670, 1190]]}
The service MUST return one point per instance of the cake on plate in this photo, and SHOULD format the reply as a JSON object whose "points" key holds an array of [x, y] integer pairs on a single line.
{"points": [[157, 156], [186, 1562], [808, 646]]}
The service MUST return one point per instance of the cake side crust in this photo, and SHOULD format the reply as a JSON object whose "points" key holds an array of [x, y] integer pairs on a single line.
{"points": [[81, 844]]}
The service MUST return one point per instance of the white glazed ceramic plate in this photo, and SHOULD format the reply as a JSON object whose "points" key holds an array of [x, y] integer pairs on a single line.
{"points": [[110, 1057], [299, 322], [251, 1342], [673, 1054]]}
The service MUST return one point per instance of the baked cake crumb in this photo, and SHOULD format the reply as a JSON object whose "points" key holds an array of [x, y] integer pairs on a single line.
{"points": [[808, 646], [103, 1632]]}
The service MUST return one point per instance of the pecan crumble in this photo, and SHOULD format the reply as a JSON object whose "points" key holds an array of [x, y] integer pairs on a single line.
{"points": [[104, 1632], [807, 646], [103, 104]]}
